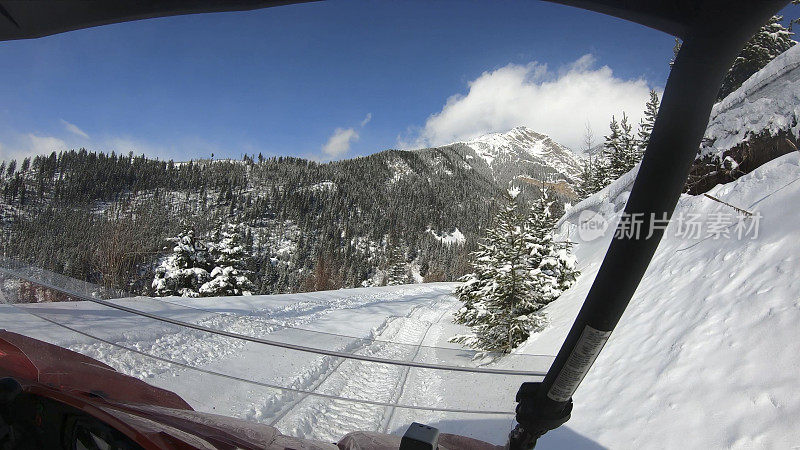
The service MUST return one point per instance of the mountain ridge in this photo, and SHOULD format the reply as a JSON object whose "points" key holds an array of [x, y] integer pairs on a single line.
{"points": [[519, 152]]}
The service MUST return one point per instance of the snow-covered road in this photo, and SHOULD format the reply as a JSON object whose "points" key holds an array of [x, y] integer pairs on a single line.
{"points": [[243, 379], [329, 419]]}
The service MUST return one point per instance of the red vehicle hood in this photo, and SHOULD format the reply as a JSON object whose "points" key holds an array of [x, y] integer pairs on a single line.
{"points": [[156, 418], [152, 417]]}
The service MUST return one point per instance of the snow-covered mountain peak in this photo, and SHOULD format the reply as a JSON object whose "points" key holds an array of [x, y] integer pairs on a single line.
{"points": [[522, 151], [521, 136]]}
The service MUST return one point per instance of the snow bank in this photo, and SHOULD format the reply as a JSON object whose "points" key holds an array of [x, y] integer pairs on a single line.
{"points": [[706, 355], [614, 195], [767, 101]]}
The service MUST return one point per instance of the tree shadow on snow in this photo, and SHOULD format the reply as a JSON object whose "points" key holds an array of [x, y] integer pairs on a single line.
{"points": [[561, 438]]}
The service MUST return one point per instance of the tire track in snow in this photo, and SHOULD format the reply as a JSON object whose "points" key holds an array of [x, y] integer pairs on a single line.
{"points": [[322, 372], [398, 392], [326, 419], [275, 407], [196, 347]]}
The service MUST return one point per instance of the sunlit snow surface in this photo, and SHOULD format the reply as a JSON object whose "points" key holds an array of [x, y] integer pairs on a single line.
{"points": [[707, 355], [404, 323], [453, 237], [769, 101]]}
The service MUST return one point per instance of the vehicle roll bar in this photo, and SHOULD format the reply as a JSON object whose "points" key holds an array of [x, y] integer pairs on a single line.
{"points": [[713, 34]]}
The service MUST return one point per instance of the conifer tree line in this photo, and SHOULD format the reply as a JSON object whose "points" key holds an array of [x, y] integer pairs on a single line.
{"points": [[112, 219], [771, 40], [516, 271], [622, 150]]}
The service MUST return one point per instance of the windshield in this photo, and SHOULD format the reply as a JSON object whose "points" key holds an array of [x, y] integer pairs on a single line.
{"points": [[338, 216]]}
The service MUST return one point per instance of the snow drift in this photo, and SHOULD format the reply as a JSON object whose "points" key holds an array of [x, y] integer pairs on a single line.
{"points": [[706, 354], [768, 101]]}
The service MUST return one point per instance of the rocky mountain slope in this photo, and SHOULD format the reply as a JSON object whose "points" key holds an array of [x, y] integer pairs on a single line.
{"points": [[520, 152]]}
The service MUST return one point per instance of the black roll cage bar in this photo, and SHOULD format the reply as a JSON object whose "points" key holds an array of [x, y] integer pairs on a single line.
{"points": [[713, 34]]}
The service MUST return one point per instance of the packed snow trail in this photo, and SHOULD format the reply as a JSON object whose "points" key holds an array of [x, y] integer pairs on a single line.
{"points": [[327, 420], [157, 313], [244, 379]]}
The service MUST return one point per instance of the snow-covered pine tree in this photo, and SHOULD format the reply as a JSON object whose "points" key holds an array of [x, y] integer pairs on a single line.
{"points": [[676, 48], [566, 273], [502, 296], [228, 276], [184, 271], [770, 41], [601, 176], [614, 153], [585, 185], [553, 263], [474, 284], [396, 271], [646, 124], [620, 150], [628, 145]]}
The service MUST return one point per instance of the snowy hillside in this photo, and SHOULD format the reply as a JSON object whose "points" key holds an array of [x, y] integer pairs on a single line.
{"points": [[706, 354], [769, 101], [522, 145]]}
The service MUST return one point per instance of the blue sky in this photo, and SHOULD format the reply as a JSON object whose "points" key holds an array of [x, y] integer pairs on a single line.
{"points": [[324, 80]]}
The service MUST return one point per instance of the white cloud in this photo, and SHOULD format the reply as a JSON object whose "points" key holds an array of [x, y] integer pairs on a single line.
{"points": [[72, 128], [339, 142], [31, 145], [44, 145], [557, 104]]}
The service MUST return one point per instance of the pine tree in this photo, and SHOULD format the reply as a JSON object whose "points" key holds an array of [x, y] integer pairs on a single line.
{"points": [[553, 263], [613, 151], [184, 271], [229, 275], [628, 146], [585, 185], [501, 297], [396, 271], [676, 48], [770, 41], [601, 173], [620, 151], [646, 124]]}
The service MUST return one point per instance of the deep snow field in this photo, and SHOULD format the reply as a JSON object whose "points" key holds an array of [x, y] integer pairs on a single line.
{"points": [[707, 355]]}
